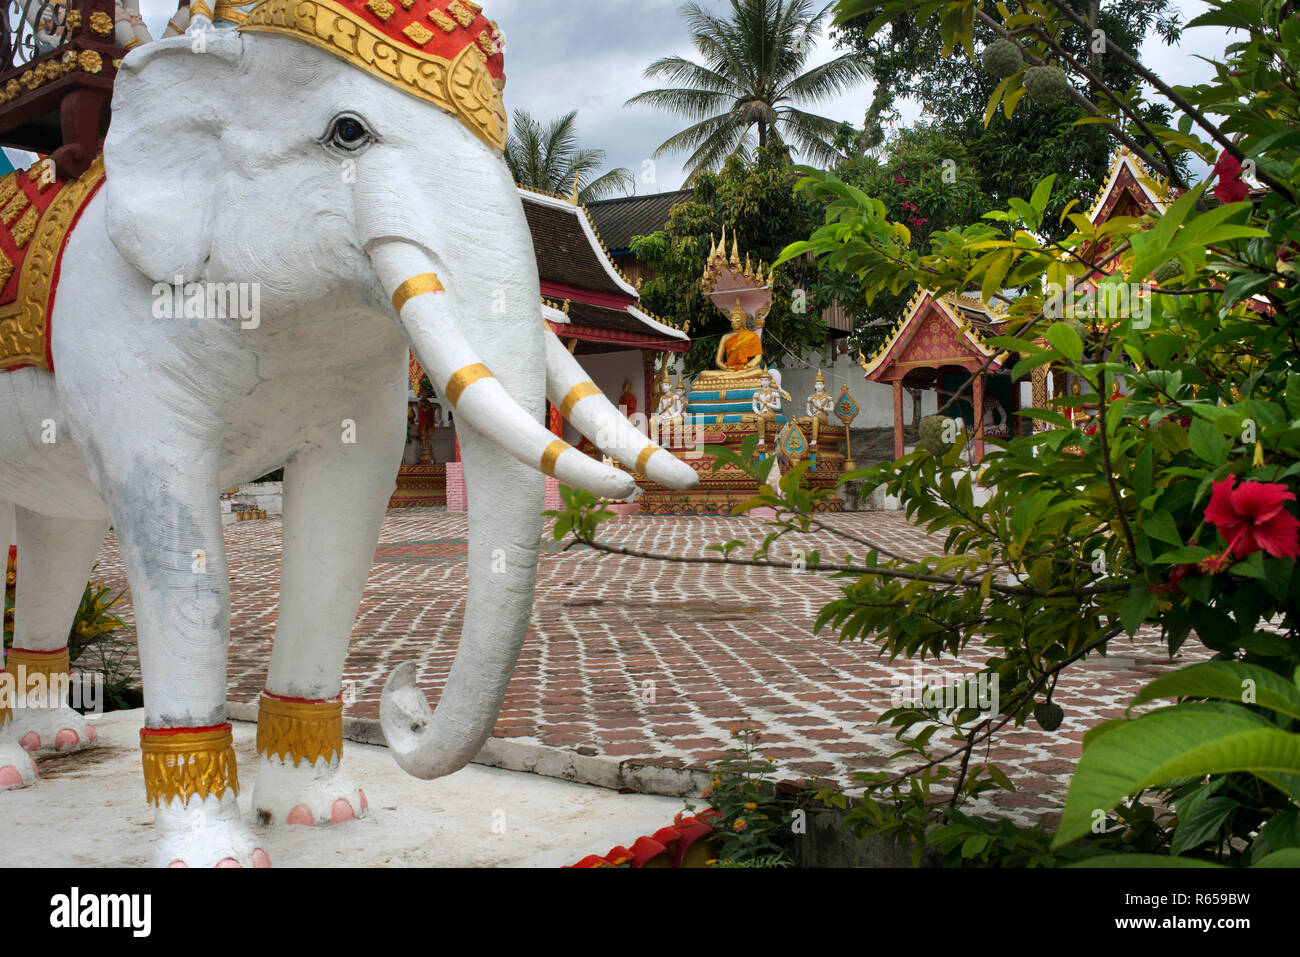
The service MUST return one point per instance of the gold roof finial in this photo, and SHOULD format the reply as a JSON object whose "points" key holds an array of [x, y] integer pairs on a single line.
{"points": [[735, 252], [573, 200]]}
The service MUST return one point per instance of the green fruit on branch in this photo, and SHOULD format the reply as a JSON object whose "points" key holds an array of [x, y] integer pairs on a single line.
{"points": [[932, 434], [1049, 716], [1046, 84], [1002, 58], [1170, 270]]}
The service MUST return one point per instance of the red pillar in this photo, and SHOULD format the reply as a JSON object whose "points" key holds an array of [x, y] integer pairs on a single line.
{"points": [[898, 418], [979, 418]]}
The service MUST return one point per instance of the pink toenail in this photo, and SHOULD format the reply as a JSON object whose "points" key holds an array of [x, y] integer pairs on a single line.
{"points": [[9, 777], [341, 811], [67, 738], [365, 805], [177, 864], [229, 862], [31, 741], [261, 858], [301, 815], [91, 733]]}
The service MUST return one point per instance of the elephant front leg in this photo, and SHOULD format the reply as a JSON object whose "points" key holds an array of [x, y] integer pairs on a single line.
{"points": [[334, 504], [168, 524]]}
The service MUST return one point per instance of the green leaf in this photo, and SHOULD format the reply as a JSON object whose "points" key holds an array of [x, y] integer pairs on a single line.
{"points": [[1065, 341], [1234, 681], [1186, 741], [1202, 824], [1140, 861], [1287, 857], [1160, 526], [1207, 443], [1135, 609]]}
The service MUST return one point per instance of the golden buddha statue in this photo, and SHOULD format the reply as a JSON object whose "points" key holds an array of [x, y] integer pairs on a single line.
{"points": [[740, 354]]}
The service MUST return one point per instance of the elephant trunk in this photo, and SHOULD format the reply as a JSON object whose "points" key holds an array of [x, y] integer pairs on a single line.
{"points": [[503, 448]]}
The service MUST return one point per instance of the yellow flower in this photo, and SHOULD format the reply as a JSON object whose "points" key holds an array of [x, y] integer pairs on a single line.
{"points": [[740, 824], [751, 806], [710, 863]]}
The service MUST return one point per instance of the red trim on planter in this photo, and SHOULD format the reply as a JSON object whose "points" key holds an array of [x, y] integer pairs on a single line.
{"points": [[31, 651], [674, 840]]}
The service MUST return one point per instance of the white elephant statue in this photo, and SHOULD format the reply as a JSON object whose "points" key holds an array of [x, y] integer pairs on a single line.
{"points": [[346, 168]]}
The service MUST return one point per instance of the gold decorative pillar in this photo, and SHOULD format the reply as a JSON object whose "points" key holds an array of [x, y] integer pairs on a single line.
{"points": [[979, 418]]}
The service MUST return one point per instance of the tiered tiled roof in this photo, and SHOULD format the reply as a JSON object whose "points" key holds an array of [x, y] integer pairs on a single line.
{"points": [[581, 285]]}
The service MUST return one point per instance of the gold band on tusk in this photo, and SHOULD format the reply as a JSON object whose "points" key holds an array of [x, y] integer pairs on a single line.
{"points": [[583, 390], [644, 458], [552, 455], [198, 8], [462, 379], [416, 286]]}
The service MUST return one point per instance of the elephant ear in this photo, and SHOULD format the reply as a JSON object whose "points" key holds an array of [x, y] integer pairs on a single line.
{"points": [[162, 154]]}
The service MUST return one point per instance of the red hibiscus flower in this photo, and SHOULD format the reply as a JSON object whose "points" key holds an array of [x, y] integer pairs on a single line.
{"points": [[1252, 517], [1231, 188]]}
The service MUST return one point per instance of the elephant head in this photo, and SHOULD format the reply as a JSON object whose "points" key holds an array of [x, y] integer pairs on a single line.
{"points": [[333, 151]]}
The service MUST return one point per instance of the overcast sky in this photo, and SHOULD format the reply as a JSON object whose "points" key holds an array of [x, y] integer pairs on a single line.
{"points": [[589, 55]]}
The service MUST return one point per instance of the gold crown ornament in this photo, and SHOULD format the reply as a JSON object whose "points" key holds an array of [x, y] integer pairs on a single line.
{"points": [[442, 51]]}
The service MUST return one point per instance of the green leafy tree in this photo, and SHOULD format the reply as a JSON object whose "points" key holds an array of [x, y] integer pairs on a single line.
{"points": [[1173, 508], [751, 83], [756, 203], [549, 158], [1009, 151]]}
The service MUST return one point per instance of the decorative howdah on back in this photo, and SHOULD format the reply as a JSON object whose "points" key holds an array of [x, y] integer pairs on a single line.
{"points": [[37, 212], [443, 51]]}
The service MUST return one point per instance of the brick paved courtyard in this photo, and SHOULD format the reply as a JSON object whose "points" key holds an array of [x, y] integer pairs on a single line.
{"points": [[637, 659]]}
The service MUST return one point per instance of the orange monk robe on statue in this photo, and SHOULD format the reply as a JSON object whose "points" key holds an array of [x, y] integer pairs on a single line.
{"points": [[742, 348]]}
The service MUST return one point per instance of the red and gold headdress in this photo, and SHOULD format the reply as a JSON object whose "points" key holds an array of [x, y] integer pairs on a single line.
{"points": [[443, 51]]}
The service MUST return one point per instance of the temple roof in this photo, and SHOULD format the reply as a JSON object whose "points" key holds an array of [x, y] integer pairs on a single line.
{"points": [[932, 333], [1129, 190], [618, 220], [581, 286]]}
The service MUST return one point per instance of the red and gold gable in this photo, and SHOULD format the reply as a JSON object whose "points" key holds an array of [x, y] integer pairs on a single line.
{"points": [[37, 213], [443, 51]]}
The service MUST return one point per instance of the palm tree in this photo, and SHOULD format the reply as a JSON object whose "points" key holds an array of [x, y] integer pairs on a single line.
{"points": [[752, 77], [549, 158]]}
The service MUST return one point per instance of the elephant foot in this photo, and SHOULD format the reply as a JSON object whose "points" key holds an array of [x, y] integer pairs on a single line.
{"points": [[309, 795], [50, 730], [17, 769], [207, 833]]}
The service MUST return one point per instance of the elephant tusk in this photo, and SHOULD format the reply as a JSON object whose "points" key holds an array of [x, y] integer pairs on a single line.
{"points": [[582, 403], [464, 381]]}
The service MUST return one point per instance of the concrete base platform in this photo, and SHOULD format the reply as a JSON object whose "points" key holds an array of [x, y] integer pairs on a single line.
{"points": [[88, 810]]}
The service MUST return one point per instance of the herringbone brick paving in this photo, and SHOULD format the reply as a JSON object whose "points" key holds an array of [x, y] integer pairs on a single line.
{"points": [[629, 658]]}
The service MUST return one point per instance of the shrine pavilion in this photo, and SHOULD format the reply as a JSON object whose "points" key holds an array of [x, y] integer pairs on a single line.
{"points": [[939, 345]]}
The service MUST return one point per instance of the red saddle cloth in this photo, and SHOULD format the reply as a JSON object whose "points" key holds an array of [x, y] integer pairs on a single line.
{"points": [[37, 213]]}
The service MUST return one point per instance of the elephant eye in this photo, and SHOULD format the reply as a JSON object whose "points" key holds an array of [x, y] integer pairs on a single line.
{"points": [[348, 133]]}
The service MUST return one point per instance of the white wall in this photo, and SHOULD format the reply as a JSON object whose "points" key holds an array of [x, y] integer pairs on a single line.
{"points": [[609, 370]]}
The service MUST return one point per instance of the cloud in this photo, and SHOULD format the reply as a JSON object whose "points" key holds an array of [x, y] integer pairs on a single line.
{"points": [[589, 56]]}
